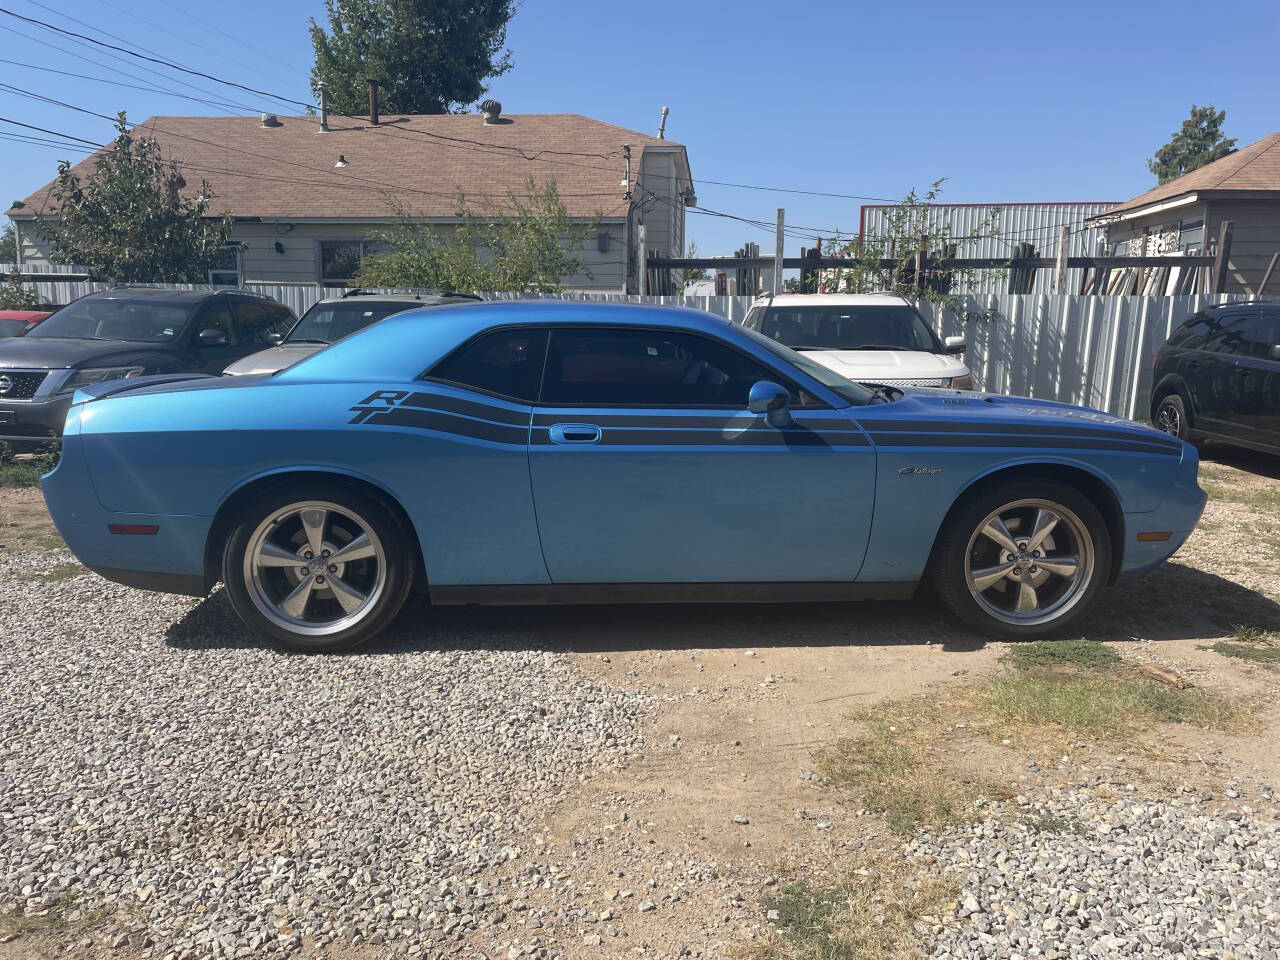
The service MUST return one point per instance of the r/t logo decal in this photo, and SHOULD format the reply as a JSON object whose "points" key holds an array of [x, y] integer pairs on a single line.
{"points": [[375, 402]]}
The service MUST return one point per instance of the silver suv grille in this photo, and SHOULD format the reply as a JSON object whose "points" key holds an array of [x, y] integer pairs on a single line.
{"points": [[935, 382], [20, 385]]}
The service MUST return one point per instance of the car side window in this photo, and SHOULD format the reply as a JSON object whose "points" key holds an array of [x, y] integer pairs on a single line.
{"points": [[257, 320], [1263, 333], [505, 362], [1229, 335], [218, 316], [612, 366], [1192, 332]]}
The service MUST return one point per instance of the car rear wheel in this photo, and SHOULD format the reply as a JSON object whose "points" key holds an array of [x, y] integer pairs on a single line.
{"points": [[1023, 560], [318, 567], [1171, 416]]}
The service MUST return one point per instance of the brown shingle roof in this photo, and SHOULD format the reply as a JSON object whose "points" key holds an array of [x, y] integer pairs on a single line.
{"points": [[1255, 167], [422, 162]]}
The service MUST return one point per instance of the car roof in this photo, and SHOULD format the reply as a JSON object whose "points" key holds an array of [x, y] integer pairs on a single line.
{"points": [[428, 299], [833, 299], [166, 295]]}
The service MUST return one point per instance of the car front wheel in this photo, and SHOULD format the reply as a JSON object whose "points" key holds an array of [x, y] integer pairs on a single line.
{"points": [[318, 567], [1023, 560]]}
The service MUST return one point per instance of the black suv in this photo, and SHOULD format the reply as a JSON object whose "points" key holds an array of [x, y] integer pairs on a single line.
{"points": [[124, 332], [1218, 377]]}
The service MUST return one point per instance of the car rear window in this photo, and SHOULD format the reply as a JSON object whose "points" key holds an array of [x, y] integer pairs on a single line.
{"points": [[330, 322]]}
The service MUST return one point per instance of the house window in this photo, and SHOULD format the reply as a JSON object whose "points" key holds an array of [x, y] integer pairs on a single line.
{"points": [[340, 261], [225, 271]]}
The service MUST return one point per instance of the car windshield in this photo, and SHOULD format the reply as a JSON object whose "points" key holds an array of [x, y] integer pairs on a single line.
{"points": [[828, 378], [330, 322], [845, 327], [10, 328], [100, 318]]}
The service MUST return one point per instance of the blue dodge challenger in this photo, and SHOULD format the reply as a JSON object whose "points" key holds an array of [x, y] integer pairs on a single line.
{"points": [[587, 453]]}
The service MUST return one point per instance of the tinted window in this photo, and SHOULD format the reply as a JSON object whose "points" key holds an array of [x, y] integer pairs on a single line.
{"points": [[847, 327], [1263, 333], [611, 366], [505, 362], [218, 316], [10, 328], [257, 320], [1192, 332], [141, 320], [330, 322], [1228, 336]]}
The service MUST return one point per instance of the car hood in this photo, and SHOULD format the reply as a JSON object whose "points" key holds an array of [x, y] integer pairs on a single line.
{"points": [[55, 353], [880, 365], [273, 359]]}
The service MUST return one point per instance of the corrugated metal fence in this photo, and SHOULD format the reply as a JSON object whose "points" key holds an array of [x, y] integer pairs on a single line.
{"points": [[1093, 351]]}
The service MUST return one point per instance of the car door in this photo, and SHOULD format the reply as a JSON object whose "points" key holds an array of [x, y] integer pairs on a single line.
{"points": [[648, 468], [1256, 391], [210, 353], [1212, 372]]}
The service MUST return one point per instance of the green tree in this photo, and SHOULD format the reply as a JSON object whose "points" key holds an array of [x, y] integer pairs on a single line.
{"points": [[14, 296], [8, 245], [912, 225], [524, 244], [128, 220], [1200, 141], [429, 56], [693, 274]]}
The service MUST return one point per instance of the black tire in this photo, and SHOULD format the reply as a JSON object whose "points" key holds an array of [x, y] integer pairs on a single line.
{"points": [[961, 543], [256, 590], [1170, 415]]}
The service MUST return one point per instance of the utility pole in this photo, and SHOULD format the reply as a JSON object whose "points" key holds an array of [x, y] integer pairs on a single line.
{"points": [[1060, 268], [777, 253], [644, 264]]}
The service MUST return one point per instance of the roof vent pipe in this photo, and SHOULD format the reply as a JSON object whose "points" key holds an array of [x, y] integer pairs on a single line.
{"points": [[662, 125], [492, 110], [270, 120], [324, 107], [373, 103]]}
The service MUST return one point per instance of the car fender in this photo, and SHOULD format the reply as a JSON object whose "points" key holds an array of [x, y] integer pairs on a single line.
{"points": [[1041, 461], [1179, 386]]}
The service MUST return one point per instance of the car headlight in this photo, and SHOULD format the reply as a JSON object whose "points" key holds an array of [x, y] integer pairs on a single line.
{"points": [[962, 383], [90, 375]]}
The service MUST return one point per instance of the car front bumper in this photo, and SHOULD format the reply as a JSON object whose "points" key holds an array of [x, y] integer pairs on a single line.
{"points": [[1147, 545], [26, 425]]}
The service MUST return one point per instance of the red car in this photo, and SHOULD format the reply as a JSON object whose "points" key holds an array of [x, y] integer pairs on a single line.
{"points": [[14, 323]]}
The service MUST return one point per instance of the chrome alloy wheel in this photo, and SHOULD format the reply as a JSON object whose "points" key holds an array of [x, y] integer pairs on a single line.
{"points": [[1029, 562], [315, 568], [1169, 420]]}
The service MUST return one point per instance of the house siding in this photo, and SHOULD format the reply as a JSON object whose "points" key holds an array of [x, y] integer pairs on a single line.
{"points": [[1255, 238]]}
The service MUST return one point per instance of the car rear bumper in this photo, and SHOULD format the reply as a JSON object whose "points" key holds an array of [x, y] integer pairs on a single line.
{"points": [[148, 551]]}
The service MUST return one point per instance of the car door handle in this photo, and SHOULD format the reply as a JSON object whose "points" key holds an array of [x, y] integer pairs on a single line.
{"points": [[1192, 364], [575, 433]]}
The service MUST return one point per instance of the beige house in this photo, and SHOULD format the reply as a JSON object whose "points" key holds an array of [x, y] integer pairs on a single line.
{"points": [[1185, 215], [304, 198]]}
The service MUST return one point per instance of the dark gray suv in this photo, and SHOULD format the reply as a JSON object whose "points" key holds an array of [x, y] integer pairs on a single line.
{"points": [[124, 332]]}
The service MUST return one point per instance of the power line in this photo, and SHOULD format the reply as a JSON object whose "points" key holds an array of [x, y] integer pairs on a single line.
{"points": [[66, 136]]}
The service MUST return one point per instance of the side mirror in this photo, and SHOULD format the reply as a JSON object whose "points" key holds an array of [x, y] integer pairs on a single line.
{"points": [[274, 339], [1274, 352], [212, 337], [954, 344], [772, 400]]}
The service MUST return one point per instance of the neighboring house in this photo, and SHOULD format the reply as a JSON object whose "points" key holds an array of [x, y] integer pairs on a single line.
{"points": [[1185, 215], [1004, 226], [304, 200]]}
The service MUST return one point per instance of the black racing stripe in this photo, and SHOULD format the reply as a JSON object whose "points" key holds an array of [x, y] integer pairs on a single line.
{"points": [[906, 427], [716, 421], [449, 423], [436, 401], [994, 440], [771, 437]]}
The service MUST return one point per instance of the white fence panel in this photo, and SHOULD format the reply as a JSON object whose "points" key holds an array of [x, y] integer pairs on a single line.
{"points": [[1093, 351]]}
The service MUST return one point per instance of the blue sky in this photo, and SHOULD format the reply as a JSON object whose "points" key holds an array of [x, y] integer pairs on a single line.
{"points": [[1009, 102]]}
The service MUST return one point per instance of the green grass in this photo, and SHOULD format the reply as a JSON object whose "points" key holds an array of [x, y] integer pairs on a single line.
{"points": [[1244, 651], [1230, 490], [1056, 653], [1103, 706], [868, 915], [63, 571], [25, 472], [893, 770]]}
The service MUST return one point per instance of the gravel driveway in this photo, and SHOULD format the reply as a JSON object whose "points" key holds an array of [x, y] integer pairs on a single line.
{"points": [[236, 800]]}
